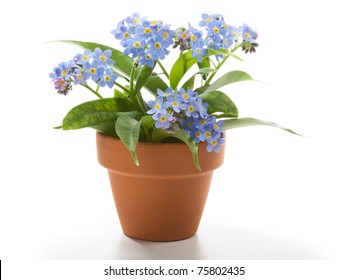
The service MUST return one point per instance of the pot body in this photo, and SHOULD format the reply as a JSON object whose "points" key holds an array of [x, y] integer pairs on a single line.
{"points": [[162, 199]]}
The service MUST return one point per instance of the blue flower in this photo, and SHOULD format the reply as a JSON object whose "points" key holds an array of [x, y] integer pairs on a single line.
{"points": [[79, 77], [103, 58], [167, 34], [93, 70], [162, 120], [156, 106], [63, 70], [187, 124], [108, 78], [144, 31], [248, 34], [135, 47], [227, 41], [122, 33], [212, 43], [206, 135], [217, 125], [216, 29], [195, 37], [82, 59], [147, 58], [176, 103], [168, 92], [187, 95], [192, 110], [134, 20], [214, 144], [198, 52], [158, 47], [206, 19]]}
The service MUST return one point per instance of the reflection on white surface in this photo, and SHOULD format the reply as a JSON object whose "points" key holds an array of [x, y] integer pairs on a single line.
{"points": [[211, 242]]}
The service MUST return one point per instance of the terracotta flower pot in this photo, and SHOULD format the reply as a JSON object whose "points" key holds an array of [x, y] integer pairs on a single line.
{"points": [[163, 198]]}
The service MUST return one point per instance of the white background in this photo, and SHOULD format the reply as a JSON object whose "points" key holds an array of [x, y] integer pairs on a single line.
{"points": [[277, 196]]}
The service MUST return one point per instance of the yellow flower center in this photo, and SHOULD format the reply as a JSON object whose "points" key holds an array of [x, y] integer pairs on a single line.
{"points": [[157, 45], [246, 35], [92, 71], [198, 50], [190, 124], [174, 104], [235, 34], [126, 35], [157, 106], [202, 122], [185, 96], [148, 57], [191, 108], [216, 29], [154, 22], [165, 35], [107, 78], [62, 82], [214, 142], [147, 30], [216, 126], [64, 72], [163, 118], [193, 37], [197, 134], [102, 58], [85, 58], [184, 36], [135, 20], [208, 134], [137, 44], [79, 76]]}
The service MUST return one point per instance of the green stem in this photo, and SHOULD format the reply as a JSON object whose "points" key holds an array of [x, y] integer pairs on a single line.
{"points": [[136, 99], [164, 70], [122, 87], [217, 68], [221, 63], [92, 90]]}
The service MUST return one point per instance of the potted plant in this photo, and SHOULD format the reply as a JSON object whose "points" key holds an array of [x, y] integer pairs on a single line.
{"points": [[161, 151]]}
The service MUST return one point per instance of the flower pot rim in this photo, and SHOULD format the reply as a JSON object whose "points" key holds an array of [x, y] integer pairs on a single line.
{"points": [[111, 138]]}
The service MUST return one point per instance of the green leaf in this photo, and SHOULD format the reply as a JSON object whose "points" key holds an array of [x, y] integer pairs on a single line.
{"points": [[95, 112], [180, 67], [243, 122], [128, 131], [143, 77], [147, 121], [206, 70], [205, 63], [189, 84], [219, 102], [160, 134], [122, 64], [228, 78], [186, 61], [119, 94], [202, 89], [223, 52]]}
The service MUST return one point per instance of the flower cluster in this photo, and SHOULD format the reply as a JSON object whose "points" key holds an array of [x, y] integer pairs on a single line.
{"points": [[185, 110], [149, 41], [145, 40], [89, 65]]}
